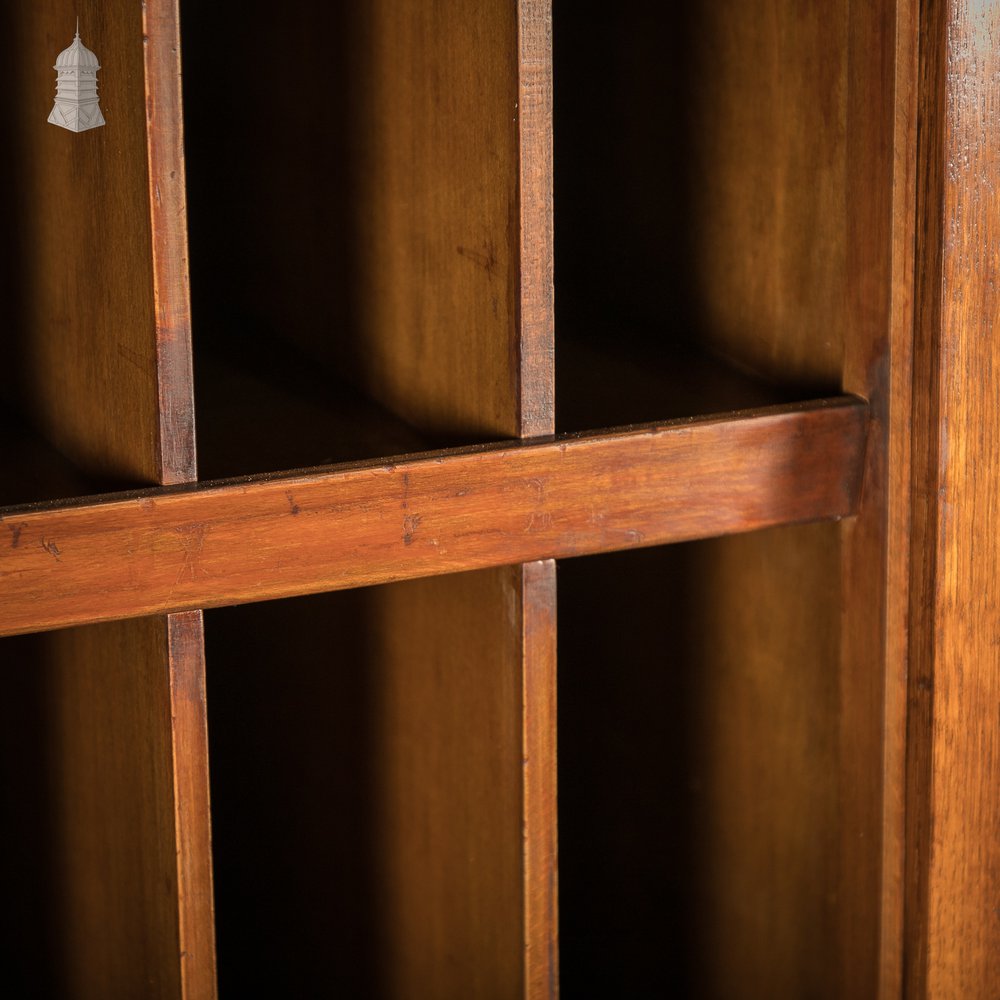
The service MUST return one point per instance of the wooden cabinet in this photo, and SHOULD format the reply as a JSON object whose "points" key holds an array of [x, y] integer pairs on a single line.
{"points": [[285, 717]]}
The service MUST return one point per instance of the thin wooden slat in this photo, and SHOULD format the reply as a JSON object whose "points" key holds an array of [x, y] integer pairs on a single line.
{"points": [[168, 214], [191, 809], [262, 538], [953, 822], [536, 319], [538, 741]]}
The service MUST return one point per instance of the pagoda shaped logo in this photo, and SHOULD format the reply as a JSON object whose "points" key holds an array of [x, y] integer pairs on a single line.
{"points": [[76, 106]]}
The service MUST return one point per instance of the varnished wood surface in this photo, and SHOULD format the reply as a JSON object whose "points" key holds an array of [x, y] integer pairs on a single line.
{"points": [[760, 137], [255, 539], [83, 353], [168, 216], [408, 248], [109, 787], [100, 363], [439, 267], [191, 806], [535, 305], [953, 933], [450, 820], [539, 799], [879, 239]]}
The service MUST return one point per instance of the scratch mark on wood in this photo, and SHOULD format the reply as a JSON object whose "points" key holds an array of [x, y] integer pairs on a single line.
{"points": [[52, 549], [15, 531], [293, 506], [485, 258], [410, 524]]}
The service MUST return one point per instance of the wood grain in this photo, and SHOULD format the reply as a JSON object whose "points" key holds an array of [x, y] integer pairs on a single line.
{"points": [[439, 270], [101, 365], [85, 353], [954, 741], [260, 538], [760, 137], [535, 305], [168, 215], [407, 248], [880, 233], [538, 746], [191, 807]]}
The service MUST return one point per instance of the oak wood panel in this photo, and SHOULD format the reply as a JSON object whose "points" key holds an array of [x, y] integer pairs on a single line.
{"points": [[954, 740], [254, 539]]}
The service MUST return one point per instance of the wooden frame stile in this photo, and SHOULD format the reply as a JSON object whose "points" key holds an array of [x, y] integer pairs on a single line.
{"points": [[952, 930], [897, 414]]}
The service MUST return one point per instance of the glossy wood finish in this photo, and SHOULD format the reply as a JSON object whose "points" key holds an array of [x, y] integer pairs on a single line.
{"points": [[954, 740], [256, 539], [191, 807], [539, 745], [168, 218]]}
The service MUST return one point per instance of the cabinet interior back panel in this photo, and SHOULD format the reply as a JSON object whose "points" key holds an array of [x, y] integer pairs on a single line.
{"points": [[80, 355]]}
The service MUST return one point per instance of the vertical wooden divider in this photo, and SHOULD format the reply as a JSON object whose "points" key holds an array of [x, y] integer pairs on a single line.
{"points": [[103, 361], [456, 286]]}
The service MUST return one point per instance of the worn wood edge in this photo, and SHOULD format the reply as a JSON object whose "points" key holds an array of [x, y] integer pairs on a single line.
{"points": [[538, 721], [192, 809], [536, 334], [168, 213], [183, 548]]}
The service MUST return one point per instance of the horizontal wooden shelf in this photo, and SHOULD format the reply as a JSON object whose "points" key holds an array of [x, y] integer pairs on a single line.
{"points": [[178, 548], [602, 381], [245, 412]]}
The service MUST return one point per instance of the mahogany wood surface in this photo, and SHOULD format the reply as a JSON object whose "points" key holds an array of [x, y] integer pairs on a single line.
{"points": [[952, 926], [880, 195], [538, 806], [83, 360], [762, 138], [168, 217], [775, 143], [253, 539], [100, 361]]}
